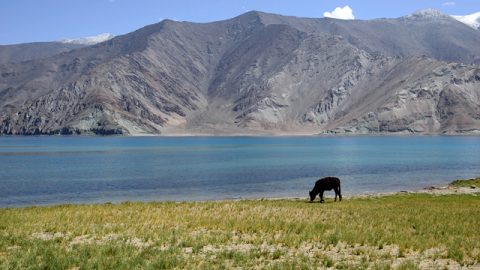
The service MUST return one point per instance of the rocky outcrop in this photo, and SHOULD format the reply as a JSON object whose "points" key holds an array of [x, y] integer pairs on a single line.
{"points": [[436, 99], [255, 74]]}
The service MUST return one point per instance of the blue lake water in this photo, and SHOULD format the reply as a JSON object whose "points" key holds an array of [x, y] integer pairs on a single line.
{"points": [[51, 170]]}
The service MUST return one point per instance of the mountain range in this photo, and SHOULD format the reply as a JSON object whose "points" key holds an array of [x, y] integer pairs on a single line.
{"points": [[257, 73]]}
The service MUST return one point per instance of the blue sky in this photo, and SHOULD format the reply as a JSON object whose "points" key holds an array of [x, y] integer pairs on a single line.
{"points": [[46, 20]]}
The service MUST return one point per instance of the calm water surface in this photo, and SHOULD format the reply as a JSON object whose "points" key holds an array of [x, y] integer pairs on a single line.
{"points": [[51, 170]]}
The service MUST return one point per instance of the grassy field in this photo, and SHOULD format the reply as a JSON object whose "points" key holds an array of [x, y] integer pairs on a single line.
{"points": [[404, 231]]}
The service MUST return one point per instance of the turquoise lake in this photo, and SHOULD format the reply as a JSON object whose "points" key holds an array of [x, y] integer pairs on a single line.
{"points": [[54, 170]]}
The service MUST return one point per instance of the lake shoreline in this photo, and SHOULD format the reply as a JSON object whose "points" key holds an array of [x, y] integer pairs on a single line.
{"points": [[449, 189]]}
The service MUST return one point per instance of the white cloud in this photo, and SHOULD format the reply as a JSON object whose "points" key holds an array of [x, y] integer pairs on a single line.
{"points": [[345, 13], [449, 4]]}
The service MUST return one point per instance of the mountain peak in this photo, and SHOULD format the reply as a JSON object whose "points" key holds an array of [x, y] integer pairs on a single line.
{"points": [[256, 14], [429, 13]]}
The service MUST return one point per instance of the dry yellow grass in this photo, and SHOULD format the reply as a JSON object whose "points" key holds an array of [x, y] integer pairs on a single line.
{"points": [[398, 231]]}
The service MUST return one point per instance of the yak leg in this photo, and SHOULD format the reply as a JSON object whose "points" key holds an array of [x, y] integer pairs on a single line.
{"points": [[337, 192], [321, 196]]}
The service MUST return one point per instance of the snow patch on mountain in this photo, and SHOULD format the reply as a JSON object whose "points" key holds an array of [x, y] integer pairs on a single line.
{"points": [[89, 40], [472, 20]]}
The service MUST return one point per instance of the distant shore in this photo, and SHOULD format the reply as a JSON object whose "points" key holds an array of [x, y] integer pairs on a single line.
{"points": [[255, 134]]}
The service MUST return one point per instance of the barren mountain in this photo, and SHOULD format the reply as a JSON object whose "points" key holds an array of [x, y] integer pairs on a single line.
{"points": [[257, 73]]}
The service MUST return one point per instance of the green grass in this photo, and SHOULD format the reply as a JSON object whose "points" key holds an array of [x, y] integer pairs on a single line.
{"points": [[474, 182], [374, 233]]}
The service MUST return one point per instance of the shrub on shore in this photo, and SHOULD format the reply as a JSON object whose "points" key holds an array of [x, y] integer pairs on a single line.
{"points": [[474, 182]]}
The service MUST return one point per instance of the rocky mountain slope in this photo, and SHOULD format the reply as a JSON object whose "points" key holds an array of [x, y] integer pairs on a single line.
{"points": [[39, 50], [35, 50], [257, 73]]}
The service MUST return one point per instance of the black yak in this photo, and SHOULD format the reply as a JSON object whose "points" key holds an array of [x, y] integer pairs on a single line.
{"points": [[326, 183]]}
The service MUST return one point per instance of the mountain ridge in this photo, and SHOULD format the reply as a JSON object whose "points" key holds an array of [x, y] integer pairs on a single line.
{"points": [[257, 73]]}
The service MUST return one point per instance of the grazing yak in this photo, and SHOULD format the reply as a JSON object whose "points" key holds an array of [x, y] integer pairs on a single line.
{"points": [[326, 183]]}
